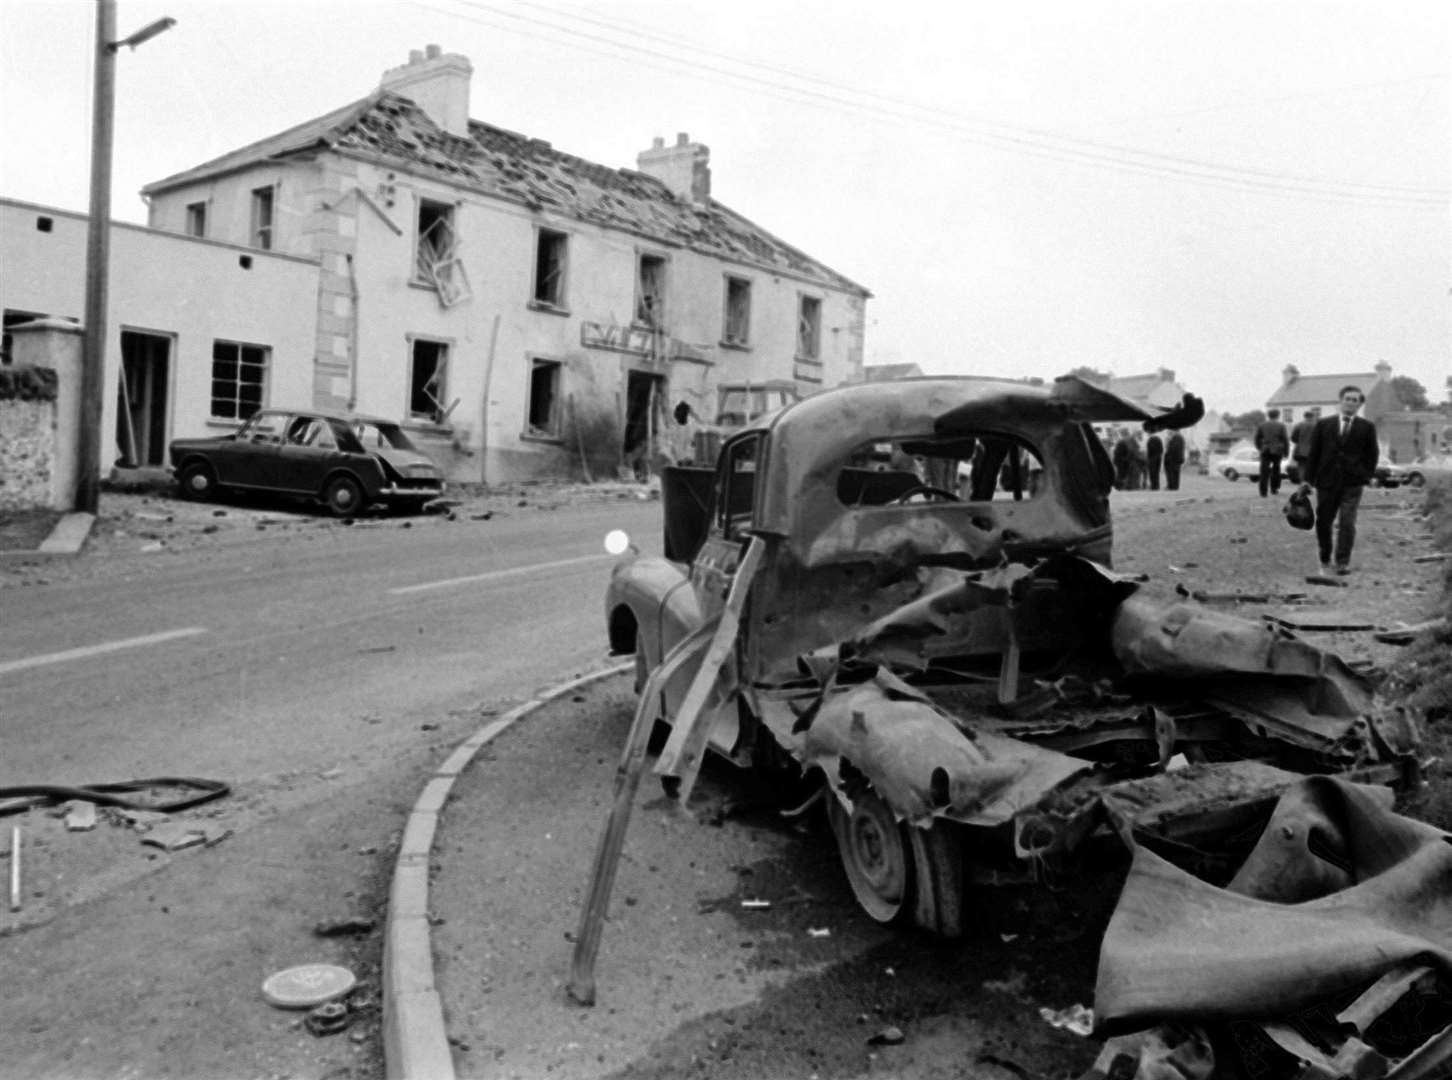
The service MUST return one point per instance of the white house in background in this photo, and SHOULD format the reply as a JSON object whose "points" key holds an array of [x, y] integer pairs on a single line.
{"points": [[189, 323], [522, 310]]}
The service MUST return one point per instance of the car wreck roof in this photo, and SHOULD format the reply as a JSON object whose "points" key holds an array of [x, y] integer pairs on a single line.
{"points": [[819, 432]]}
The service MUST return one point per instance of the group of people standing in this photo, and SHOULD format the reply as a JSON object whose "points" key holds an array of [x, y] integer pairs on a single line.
{"points": [[1137, 465], [1336, 457]]}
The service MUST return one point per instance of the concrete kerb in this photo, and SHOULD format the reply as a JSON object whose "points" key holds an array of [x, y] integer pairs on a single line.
{"points": [[67, 537], [415, 1041]]}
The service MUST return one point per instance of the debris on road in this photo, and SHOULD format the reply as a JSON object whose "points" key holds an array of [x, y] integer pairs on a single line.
{"points": [[1075, 1018], [327, 1019], [345, 927], [1405, 635], [170, 836], [308, 986], [888, 1036], [80, 816], [756, 905]]}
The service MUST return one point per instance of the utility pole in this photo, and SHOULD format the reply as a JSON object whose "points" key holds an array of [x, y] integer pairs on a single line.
{"points": [[98, 247], [98, 253]]}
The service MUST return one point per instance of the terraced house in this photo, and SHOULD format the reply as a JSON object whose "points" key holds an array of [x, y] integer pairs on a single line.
{"points": [[524, 311]]}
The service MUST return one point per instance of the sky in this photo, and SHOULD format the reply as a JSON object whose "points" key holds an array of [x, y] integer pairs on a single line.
{"points": [[1214, 187]]}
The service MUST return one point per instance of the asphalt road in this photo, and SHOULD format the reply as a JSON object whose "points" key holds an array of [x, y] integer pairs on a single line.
{"points": [[321, 670]]}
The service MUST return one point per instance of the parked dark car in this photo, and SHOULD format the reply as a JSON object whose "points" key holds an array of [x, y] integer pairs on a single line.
{"points": [[344, 461]]}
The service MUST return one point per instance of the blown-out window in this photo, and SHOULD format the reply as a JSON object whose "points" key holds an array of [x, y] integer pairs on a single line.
{"points": [[543, 419], [736, 326], [809, 328], [650, 291], [428, 371], [549, 268], [263, 205]]}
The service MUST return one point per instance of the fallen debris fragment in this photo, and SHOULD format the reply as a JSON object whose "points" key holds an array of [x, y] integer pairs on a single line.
{"points": [[888, 1036], [1436, 556], [171, 836], [1075, 1018], [756, 905], [307, 986], [327, 1019], [1318, 620], [1404, 635], [81, 816], [353, 924], [819, 931]]}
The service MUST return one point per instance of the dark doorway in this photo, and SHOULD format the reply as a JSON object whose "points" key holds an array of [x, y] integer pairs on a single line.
{"points": [[141, 404], [644, 411]]}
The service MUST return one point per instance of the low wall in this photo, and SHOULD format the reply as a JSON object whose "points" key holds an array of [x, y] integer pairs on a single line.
{"points": [[27, 437]]}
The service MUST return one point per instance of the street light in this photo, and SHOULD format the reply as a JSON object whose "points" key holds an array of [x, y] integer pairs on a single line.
{"points": [[98, 247]]}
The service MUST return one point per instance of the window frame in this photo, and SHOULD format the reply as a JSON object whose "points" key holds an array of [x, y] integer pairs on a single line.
{"points": [[264, 383], [744, 287], [196, 219], [809, 347], [648, 318], [421, 273], [554, 430], [559, 242], [262, 233], [444, 354]]}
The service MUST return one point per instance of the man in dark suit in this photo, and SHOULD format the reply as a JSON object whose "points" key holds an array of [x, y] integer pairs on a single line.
{"points": [[1344, 452], [1174, 459]]}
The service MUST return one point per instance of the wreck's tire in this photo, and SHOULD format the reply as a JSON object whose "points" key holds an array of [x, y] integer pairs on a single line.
{"points": [[940, 881], [875, 854]]}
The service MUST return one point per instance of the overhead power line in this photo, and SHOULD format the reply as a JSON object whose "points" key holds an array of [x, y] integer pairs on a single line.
{"points": [[1024, 141]]}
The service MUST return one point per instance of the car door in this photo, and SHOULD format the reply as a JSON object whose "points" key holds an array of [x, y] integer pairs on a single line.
{"points": [[250, 460], [307, 454]]}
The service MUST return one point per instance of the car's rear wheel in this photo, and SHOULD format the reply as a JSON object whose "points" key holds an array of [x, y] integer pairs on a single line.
{"points": [[875, 853], [1415, 479], [197, 480], [1231, 474], [343, 496]]}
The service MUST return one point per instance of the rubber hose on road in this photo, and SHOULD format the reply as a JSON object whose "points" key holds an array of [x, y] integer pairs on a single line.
{"points": [[108, 794]]}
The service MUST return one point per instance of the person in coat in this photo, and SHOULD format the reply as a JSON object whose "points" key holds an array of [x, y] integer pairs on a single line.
{"points": [[1301, 444], [1123, 460], [1154, 452], [1274, 443], [1174, 460], [1342, 461]]}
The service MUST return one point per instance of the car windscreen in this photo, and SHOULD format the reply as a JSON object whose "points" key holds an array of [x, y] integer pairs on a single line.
{"points": [[976, 467]]}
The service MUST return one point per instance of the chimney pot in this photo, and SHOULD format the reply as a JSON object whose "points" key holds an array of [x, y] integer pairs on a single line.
{"points": [[658, 143], [682, 138], [433, 52], [415, 56]]}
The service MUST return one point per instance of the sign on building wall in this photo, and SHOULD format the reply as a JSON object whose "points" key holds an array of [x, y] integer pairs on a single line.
{"points": [[630, 339]]}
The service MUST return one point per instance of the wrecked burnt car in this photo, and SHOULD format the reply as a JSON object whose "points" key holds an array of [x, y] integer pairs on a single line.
{"points": [[900, 597]]}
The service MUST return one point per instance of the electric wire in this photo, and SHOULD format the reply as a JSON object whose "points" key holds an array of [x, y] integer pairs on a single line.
{"points": [[1023, 141]]}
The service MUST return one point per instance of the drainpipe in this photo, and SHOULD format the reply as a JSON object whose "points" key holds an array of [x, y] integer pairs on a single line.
{"points": [[352, 336]]}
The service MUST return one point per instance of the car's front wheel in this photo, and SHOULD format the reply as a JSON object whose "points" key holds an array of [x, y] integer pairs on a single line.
{"points": [[197, 480], [343, 496], [1415, 479], [1231, 474], [874, 853]]}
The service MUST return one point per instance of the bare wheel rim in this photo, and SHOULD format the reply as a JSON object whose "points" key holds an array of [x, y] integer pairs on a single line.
{"points": [[877, 863]]}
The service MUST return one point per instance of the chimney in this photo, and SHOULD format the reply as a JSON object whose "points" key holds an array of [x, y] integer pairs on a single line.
{"points": [[1383, 371], [1290, 374], [684, 168], [1167, 375], [438, 83]]}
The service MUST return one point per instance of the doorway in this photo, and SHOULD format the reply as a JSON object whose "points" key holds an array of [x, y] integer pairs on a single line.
{"points": [[644, 411], [141, 398]]}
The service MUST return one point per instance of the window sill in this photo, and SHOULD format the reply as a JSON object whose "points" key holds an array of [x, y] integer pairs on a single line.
{"points": [[813, 360], [546, 308], [736, 346], [541, 437]]}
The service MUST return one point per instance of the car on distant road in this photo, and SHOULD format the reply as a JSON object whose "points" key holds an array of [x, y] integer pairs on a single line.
{"points": [[344, 461], [1242, 462], [1419, 472]]}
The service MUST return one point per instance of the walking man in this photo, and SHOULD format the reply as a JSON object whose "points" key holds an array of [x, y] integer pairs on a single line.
{"points": [[1154, 450], [1341, 463], [1174, 459], [1301, 444], [1274, 443]]}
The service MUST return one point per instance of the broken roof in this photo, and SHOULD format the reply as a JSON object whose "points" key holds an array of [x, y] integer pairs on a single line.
{"points": [[389, 128], [1320, 389]]}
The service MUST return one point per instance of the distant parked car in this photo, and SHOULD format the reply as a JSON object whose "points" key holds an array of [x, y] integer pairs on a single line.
{"points": [[1419, 472], [1387, 475], [344, 461], [1242, 462]]}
